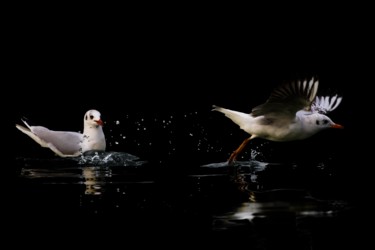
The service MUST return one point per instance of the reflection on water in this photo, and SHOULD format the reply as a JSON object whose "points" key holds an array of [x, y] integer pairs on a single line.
{"points": [[284, 206], [95, 179], [258, 199]]}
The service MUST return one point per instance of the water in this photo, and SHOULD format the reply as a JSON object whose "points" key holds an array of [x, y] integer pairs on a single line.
{"points": [[268, 205]]}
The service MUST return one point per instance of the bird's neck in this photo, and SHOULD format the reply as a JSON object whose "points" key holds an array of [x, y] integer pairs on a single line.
{"points": [[89, 129]]}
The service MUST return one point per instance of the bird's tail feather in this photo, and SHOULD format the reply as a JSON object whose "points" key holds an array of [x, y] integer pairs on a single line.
{"points": [[240, 118], [32, 135]]}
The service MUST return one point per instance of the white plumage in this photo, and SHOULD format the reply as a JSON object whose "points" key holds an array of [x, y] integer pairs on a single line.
{"points": [[292, 112], [67, 143]]}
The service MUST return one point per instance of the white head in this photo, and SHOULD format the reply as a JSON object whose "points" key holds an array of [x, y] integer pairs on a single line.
{"points": [[92, 118], [318, 122], [93, 136]]}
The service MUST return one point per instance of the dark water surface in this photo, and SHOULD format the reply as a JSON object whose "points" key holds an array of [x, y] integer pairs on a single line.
{"points": [[116, 194]]}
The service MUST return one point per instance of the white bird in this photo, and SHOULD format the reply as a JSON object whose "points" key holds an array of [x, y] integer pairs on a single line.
{"points": [[292, 112], [70, 144]]}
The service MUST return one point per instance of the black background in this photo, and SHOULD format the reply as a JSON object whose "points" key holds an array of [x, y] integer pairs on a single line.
{"points": [[162, 69]]}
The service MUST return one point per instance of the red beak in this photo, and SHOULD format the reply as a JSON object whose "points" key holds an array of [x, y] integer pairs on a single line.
{"points": [[337, 126], [99, 122]]}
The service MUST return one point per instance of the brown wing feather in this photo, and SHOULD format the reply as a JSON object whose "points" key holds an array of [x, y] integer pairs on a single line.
{"points": [[289, 98]]}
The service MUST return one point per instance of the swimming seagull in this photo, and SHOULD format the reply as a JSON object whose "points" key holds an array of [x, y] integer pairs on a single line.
{"points": [[292, 112], [70, 144]]}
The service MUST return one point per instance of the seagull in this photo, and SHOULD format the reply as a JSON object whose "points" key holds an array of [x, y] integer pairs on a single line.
{"points": [[292, 112], [66, 143]]}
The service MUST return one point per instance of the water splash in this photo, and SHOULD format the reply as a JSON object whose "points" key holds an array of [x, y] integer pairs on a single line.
{"points": [[109, 159]]}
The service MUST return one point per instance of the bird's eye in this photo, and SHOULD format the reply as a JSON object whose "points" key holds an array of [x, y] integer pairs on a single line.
{"points": [[91, 117], [325, 121], [85, 117], [317, 122]]}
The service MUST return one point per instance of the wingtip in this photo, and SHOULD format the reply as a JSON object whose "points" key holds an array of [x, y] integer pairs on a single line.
{"points": [[215, 108], [21, 128], [24, 120]]}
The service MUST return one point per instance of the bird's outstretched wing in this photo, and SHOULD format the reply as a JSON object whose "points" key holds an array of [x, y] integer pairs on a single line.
{"points": [[325, 104], [289, 98]]}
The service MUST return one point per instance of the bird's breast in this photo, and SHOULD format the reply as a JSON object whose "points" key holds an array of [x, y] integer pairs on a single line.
{"points": [[93, 143], [280, 132]]}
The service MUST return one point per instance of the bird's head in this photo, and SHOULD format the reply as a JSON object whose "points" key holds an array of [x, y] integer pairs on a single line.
{"points": [[320, 122], [92, 118]]}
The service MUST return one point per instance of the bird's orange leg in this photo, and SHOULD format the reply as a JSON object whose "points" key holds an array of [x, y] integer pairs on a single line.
{"points": [[233, 156]]}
